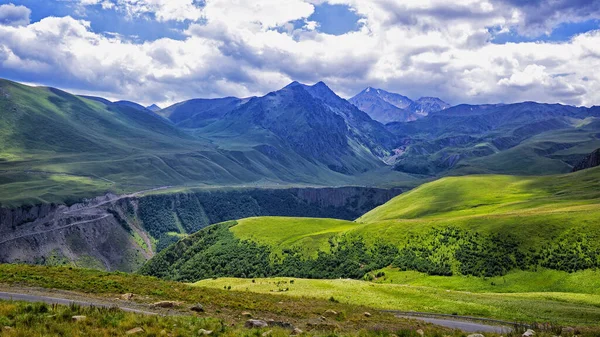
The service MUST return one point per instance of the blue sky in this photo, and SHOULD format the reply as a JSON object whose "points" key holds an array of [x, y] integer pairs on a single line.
{"points": [[163, 51]]}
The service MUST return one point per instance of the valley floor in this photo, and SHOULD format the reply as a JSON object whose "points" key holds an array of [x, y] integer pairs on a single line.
{"points": [[521, 300]]}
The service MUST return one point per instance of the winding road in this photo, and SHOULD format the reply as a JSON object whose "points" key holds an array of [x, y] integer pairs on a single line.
{"points": [[64, 301], [465, 324]]}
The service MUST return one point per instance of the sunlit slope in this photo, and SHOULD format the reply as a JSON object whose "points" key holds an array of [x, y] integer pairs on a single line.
{"points": [[475, 225], [310, 234], [455, 197]]}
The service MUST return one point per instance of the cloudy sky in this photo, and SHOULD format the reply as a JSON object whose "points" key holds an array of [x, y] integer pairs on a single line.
{"points": [[163, 51]]}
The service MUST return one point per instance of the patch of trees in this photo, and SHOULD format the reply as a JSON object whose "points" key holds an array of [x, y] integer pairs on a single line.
{"points": [[216, 252]]}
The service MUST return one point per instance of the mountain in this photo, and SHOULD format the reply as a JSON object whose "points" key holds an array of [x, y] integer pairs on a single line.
{"points": [[521, 138], [426, 105], [57, 147], [310, 121], [387, 107], [198, 113], [153, 108], [592, 160], [481, 226]]}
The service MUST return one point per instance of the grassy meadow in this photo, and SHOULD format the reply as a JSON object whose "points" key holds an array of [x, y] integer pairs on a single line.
{"points": [[557, 307]]}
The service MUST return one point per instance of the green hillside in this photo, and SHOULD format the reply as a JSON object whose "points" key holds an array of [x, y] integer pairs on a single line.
{"points": [[58, 147], [475, 225]]}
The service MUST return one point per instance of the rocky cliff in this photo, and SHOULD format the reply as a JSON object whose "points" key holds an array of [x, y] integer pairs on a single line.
{"points": [[122, 232], [592, 160]]}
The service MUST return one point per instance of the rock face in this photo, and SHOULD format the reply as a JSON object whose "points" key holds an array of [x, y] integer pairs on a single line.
{"points": [[255, 323], [528, 333], [312, 123], [387, 107], [104, 233], [592, 160]]}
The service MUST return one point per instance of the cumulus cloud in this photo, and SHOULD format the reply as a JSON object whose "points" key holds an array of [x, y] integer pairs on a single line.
{"points": [[540, 16], [11, 15], [243, 48], [163, 10]]}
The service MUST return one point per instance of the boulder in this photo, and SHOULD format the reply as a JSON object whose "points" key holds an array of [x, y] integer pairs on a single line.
{"points": [[134, 331], [330, 313], [297, 332], [367, 314], [197, 308], [203, 332], [127, 297], [280, 324], [255, 323], [79, 318], [568, 331], [528, 333], [166, 304], [246, 314], [475, 335]]}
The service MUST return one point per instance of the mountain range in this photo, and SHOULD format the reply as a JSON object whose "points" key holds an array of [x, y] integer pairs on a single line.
{"points": [[386, 107], [56, 146]]}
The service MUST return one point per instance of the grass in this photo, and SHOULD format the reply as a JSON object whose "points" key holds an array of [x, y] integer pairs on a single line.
{"points": [[310, 234], [223, 308], [536, 210], [99, 147], [562, 308], [23, 319], [542, 280]]}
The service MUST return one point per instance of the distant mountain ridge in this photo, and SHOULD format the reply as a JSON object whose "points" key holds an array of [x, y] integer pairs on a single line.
{"points": [[386, 107]]}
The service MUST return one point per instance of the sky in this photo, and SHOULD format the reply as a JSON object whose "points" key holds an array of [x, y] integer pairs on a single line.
{"points": [[166, 51]]}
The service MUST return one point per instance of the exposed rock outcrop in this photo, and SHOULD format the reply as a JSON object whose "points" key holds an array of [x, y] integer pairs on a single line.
{"points": [[592, 160], [115, 232]]}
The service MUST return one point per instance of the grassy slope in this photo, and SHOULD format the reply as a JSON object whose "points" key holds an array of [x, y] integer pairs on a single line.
{"points": [[563, 308], [99, 146], [535, 209], [223, 308], [284, 232]]}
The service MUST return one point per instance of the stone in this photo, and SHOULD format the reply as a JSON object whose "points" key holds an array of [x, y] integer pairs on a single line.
{"points": [[79, 318], [197, 308], [280, 324], [297, 332], [127, 297], [475, 335], [528, 333], [367, 314], [420, 332], [267, 333], [246, 314], [255, 323], [330, 312], [205, 332], [568, 331], [134, 331], [166, 304]]}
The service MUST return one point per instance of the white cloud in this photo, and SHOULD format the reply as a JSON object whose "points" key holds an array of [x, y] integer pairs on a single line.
{"points": [[163, 10], [246, 48], [11, 15]]}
